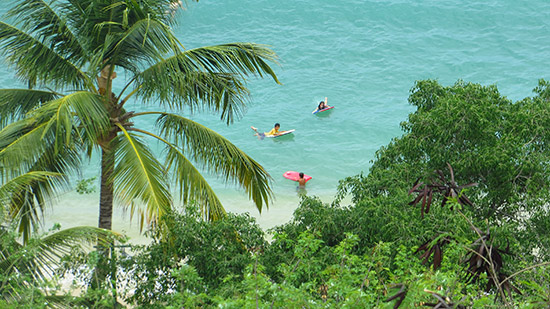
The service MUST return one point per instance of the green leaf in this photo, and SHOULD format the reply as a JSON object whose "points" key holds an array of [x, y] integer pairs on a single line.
{"points": [[219, 156], [41, 18], [192, 185], [15, 103], [139, 179], [208, 77], [41, 256], [33, 60]]}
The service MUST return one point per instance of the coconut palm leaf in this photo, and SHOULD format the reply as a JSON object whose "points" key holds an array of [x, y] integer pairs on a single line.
{"points": [[209, 77], [39, 193], [52, 247], [33, 59], [14, 200], [218, 155], [139, 176], [81, 109], [34, 151], [21, 144], [125, 33], [219, 92], [192, 184], [237, 58], [78, 117], [24, 147], [15, 103], [146, 40], [26, 205], [16, 185], [41, 18], [41, 256]]}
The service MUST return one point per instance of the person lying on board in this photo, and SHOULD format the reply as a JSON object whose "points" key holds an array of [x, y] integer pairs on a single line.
{"points": [[274, 131], [322, 105]]}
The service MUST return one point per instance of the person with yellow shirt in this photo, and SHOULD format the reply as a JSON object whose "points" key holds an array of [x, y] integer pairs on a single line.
{"points": [[273, 132]]}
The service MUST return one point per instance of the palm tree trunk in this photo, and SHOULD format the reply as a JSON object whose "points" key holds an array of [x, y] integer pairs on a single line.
{"points": [[106, 192], [105, 217]]}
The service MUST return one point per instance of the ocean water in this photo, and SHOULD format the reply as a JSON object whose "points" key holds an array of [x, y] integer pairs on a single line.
{"points": [[364, 56]]}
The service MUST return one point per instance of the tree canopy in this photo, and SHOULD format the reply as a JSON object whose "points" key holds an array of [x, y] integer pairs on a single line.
{"points": [[488, 139]]}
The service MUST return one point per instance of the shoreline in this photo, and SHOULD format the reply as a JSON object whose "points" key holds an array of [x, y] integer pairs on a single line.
{"points": [[72, 209]]}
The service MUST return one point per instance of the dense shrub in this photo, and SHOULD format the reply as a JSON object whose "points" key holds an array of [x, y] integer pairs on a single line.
{"points": [[215, 251]]}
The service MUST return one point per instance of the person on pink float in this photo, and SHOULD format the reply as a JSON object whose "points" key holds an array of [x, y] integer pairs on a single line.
{"points": [[322, 105]]}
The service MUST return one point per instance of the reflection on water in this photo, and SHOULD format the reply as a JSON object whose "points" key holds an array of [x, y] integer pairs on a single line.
{"points": [[325, 114], [284, 138]]}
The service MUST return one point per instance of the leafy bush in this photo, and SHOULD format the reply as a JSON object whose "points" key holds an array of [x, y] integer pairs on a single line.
{"points": [[215, 251]]}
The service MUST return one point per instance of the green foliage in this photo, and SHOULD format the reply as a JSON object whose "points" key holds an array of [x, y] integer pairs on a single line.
{"points": [[28, 271], [489, 140], [216, 251], [380, 251], [86, 186]]}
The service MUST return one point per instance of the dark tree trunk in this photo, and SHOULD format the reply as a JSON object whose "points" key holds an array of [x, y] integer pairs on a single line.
{"points": [[105, 216], [106, 192]]}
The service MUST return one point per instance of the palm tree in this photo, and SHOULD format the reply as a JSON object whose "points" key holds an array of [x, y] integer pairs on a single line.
{"points": [[70, 51]]}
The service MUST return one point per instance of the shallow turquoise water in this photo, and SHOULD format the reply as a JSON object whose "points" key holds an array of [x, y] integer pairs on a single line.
{"points": [[364, 56]]}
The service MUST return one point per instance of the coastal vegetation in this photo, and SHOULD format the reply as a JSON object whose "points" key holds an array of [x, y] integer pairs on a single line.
{"points": [[416, 232], [453, 213]]}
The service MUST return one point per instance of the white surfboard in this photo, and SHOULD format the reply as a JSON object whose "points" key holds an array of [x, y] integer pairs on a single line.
{"points": [[282, 133]]}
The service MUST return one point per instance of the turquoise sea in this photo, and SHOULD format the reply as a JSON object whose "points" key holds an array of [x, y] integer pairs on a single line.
{"points": [[364, 56]]}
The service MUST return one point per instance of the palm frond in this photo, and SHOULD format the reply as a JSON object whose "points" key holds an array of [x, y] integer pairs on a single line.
{"points": [[27, 146], [52, 247], [15, 103], [16, 185], [139, 179], [17, 203], [236, 58], [219, 92], [40, 193], [25, 212], [65, 122], [211, 77], [125, 33], [146, 40], [35, 60], [21, 144], [193, 186], [78, 110], [26, 207], [41, 256], [219, 156], [49, 139], [44, 20]]}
